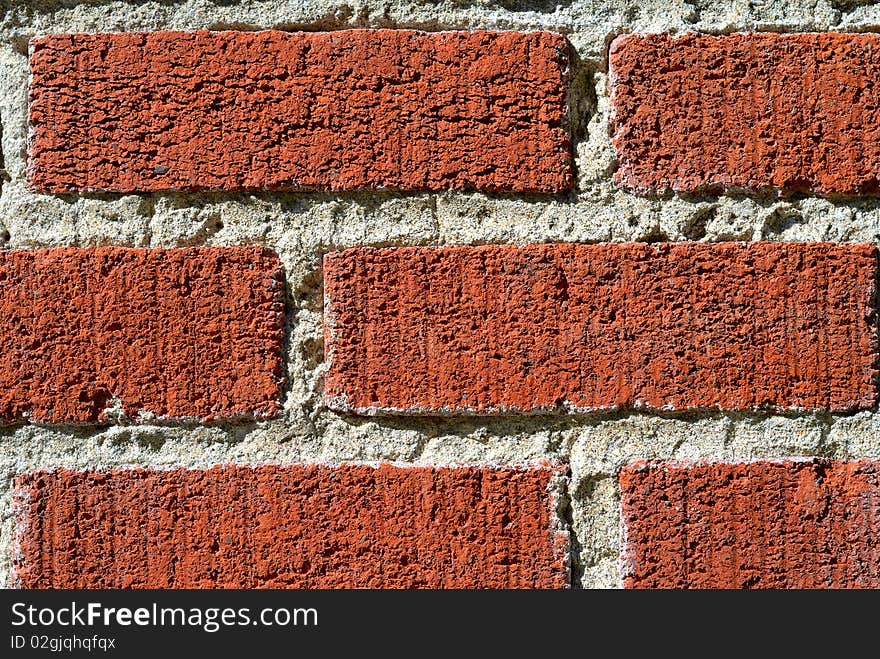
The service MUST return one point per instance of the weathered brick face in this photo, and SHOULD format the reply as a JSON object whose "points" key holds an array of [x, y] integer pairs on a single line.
{"points": [[500, 329], [174, 333], [300, 111], [806, 524], [760, 112], [299, 526]]}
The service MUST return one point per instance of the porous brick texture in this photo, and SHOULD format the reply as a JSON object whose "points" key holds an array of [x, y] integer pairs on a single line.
{"points": [[274, 110], [298, 526], [784, 112], [782, 524], [171, 332], [495, 329]]}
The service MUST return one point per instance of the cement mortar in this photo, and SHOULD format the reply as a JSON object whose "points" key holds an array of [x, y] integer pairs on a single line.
{"points": [[301, 227]]}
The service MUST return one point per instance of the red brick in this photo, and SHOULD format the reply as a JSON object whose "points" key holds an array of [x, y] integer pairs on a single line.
{"points": [[784, 112], [496, 329], [757, 525], [340, 110], [300, 526], [175, 332]]}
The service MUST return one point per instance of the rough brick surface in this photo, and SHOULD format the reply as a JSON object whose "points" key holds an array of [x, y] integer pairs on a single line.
{"points": [[669, 326], [291, 527], [273, 110], [757, 525], [787, 112], [174, 332]]}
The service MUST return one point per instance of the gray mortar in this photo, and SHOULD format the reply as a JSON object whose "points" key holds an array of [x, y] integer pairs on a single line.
{"points": [[302, 227]]}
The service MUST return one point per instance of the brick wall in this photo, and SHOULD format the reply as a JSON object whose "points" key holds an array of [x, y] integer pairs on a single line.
{"points": [[499, 299]]}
